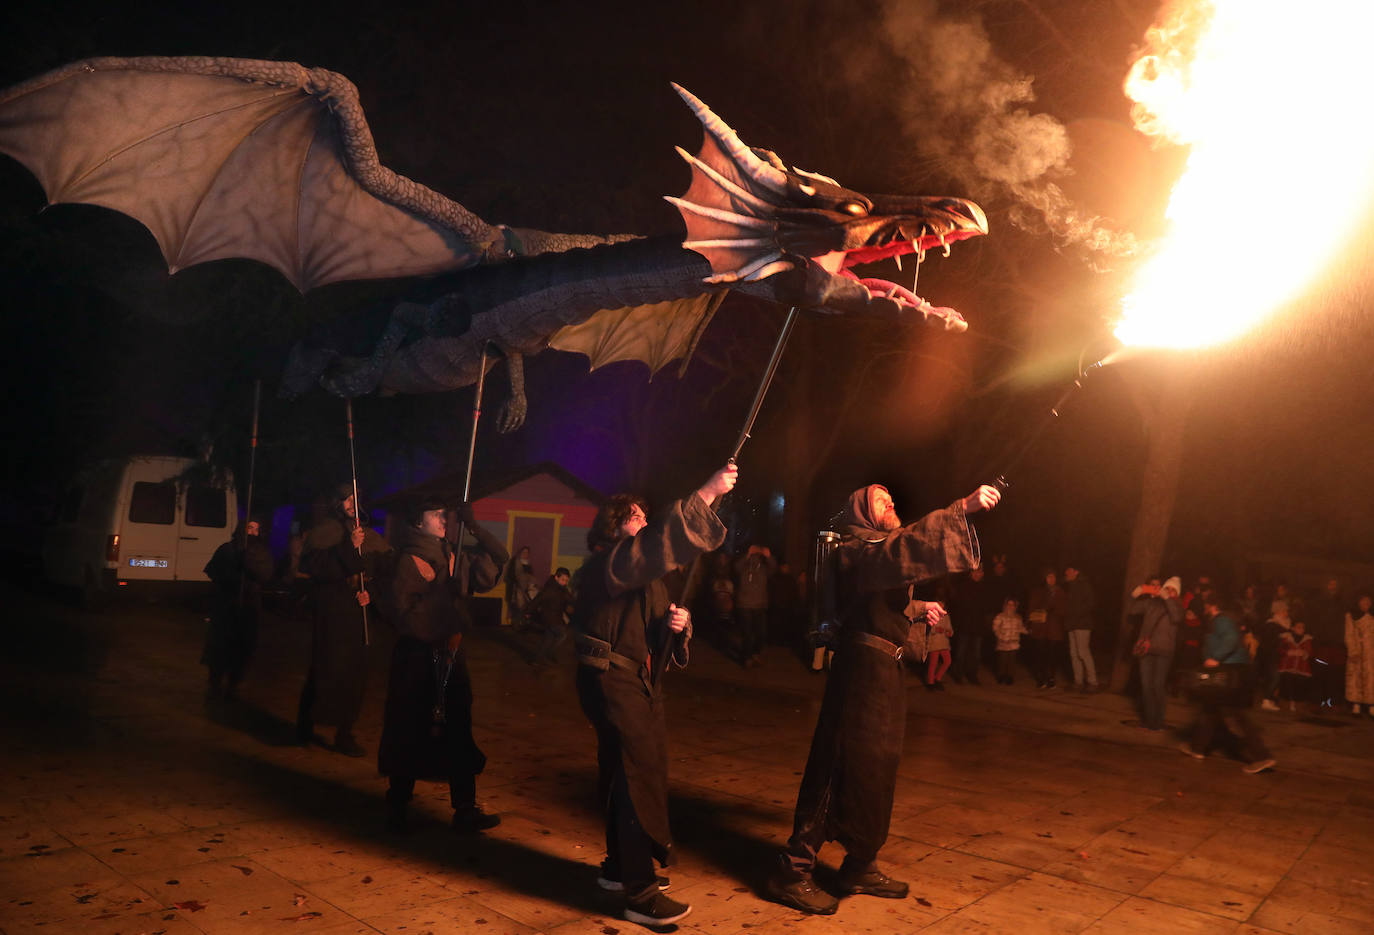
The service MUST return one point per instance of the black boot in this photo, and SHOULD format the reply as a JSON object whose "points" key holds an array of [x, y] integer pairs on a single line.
{"points": [[796, 888], [871, 882], [345, 744], [472, 819], [397, 814]]}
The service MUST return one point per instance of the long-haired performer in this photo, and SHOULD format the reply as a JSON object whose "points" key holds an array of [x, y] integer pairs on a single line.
{"points": [[627, 631]]}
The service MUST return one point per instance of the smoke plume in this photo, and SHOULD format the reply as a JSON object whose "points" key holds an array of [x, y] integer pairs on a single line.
{"points": [[972, 115]]}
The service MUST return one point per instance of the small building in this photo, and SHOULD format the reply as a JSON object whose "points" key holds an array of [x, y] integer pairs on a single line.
{"points": [[541, 506]]}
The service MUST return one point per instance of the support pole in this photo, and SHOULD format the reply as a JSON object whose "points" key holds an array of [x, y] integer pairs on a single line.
{"points": [[252, 452], [472, 440], [698, 569], [252, 470], [788, 323], [357, 509]]}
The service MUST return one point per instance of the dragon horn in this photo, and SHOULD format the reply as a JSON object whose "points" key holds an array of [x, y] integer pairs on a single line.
{"points": [[743, 157]]}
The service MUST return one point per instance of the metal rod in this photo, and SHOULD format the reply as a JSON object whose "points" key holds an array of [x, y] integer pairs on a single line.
{"points": [[357, 510], [252, 470], [698, 569], [767, 381], [1044, 423], [472, 439], [253, 452]]}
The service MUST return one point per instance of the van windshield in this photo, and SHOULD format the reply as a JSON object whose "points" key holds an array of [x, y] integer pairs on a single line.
{"points": [[153, 503]]}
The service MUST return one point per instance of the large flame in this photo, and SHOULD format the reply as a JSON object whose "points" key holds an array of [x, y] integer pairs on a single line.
{"points": [[1272, 99]]}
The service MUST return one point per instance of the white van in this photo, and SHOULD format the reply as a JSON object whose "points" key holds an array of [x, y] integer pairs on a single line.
{"points": [[135, 520]]}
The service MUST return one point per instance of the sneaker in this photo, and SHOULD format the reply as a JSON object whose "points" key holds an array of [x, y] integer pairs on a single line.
{"points": [[661, 910], [472, 819], [872, 883], [611, 885], [939, 686], [348, 746], [801, 893], [1268, 705], [1258, 766], [1188, 749]]}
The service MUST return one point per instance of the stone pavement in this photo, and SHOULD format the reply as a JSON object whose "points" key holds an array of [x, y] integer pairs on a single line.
{"points": [[127, 806]]}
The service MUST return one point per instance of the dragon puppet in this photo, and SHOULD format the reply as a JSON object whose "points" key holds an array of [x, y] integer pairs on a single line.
{"points": [[272, 161]]}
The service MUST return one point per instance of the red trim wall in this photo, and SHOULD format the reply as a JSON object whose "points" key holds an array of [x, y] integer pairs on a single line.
{"points": [[494, 509]]}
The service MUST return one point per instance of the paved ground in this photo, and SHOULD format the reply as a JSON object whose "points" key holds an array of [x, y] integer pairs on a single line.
{"points": [[126, 806]]}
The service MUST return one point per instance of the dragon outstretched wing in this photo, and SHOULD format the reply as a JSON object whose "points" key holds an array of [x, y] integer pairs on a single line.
{"points": [[657, 334], [272, 161], [224, 157]]}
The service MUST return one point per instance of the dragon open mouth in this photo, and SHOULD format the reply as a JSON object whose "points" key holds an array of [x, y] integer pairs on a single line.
{"points": [[752, 217]]}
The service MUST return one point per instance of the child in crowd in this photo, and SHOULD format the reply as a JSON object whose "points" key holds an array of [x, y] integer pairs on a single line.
{"points": [[1295, 663], [1270, 655], [1008, 628], [937, 653]]}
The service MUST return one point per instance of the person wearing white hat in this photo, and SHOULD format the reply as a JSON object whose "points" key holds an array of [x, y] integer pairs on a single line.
{"points": [[1162, 612]]}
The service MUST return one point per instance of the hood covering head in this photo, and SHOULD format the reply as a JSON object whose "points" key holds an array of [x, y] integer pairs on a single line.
{"points": [[860, 515], [411, 540]]}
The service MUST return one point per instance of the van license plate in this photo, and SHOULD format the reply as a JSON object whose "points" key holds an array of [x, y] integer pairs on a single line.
{"points": [[148, 563]]}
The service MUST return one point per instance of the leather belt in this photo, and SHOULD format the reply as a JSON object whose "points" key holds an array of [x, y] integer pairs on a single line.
{"points": [[886, 647], [599, 655]]}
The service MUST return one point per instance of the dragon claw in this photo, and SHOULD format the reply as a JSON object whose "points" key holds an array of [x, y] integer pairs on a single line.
{"points": [[512, 415]]}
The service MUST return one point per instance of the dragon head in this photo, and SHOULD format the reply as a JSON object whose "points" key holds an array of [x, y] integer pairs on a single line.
{"points": [[754, 219]]}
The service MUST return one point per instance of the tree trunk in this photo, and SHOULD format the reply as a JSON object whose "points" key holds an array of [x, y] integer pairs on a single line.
{"points": [[1159, 489]]}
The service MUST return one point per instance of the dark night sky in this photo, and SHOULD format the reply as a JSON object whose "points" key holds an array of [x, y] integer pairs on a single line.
{"points": [[559, 117]]}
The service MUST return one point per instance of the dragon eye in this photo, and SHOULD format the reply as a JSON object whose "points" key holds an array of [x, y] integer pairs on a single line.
{"points": [[854, 208]]}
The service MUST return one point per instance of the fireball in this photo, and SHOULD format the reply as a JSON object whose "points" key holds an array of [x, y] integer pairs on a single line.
{"points": [[1280, 170]]}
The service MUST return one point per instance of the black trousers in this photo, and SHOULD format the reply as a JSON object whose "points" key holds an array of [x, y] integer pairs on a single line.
{"points": [[462, 791], [1044, 658], [1237, 719], [629, 852], [968, 648], [753, 630], [305, 719], [1006, 663]]}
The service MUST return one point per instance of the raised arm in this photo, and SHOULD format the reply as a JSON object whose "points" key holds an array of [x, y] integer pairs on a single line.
{"points": [[681, 533]]}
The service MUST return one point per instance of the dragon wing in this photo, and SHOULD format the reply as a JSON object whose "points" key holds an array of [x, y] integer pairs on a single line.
{"points": [[224, 157], [272, 161], [656, 334]]}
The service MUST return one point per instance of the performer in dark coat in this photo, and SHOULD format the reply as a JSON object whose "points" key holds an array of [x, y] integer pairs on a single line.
{"points": [[627, 629], [427, 727], [851, 773], [549, 609], [238, 570], [336, 551]]}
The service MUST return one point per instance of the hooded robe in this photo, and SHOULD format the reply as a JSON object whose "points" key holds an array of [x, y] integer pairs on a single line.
{"points": [[622, 600], [338, 651], [851, 772], [426, 614]]}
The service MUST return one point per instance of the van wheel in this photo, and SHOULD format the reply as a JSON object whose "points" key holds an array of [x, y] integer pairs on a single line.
{"points": [[93, 596]]}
